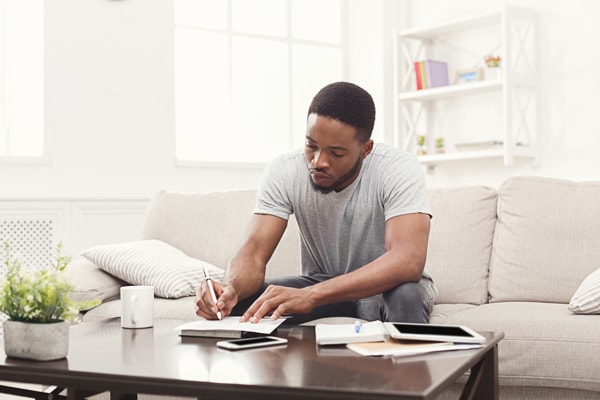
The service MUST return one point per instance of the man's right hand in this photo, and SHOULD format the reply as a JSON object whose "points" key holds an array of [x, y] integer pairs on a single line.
{"points": [[245, 272], [226, 299]]}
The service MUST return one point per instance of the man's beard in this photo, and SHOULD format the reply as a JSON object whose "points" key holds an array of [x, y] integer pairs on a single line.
{"points": [[325, 190]]}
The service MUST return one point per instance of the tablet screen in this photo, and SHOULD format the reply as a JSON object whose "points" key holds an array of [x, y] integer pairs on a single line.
{"points": [[432, 330]]}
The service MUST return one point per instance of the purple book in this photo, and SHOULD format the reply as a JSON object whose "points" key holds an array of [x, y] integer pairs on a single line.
{"points": [[436, 73]]}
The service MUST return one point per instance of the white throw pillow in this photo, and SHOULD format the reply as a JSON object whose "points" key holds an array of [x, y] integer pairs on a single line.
{"points": [[153, 263], [586, 299]]}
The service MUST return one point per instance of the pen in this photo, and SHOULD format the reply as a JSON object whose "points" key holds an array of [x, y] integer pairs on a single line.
{"points": [[211, 289], [357, 326]]}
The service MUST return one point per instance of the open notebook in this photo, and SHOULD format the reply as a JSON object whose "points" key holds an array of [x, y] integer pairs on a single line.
{"points": [[332, 334]]}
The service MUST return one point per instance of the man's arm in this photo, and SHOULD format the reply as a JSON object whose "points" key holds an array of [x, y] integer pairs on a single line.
{"points": [[406, 239], [245, 273]]}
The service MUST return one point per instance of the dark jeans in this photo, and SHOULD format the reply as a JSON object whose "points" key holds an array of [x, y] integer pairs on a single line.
{"points": [[409, 302]]}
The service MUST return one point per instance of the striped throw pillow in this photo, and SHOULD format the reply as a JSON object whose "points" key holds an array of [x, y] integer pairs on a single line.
{"points": [[171, 272], [586, 299]]}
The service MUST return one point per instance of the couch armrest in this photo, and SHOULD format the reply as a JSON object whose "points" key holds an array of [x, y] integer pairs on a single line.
{"points": [[90, 282]]}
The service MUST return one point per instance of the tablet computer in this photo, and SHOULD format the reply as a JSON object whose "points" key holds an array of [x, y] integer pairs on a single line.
{"points": [[433, 332]]}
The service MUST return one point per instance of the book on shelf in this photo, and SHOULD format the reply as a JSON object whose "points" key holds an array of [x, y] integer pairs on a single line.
{"points": [[334, 334], [395, 347], [436, 73], [417, 65], [431, 73], [228, 327]]}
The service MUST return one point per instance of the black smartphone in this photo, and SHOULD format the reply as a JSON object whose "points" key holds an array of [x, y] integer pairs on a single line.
{"points": [[251, 343]]}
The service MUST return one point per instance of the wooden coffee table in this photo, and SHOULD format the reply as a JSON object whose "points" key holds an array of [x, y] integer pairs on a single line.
{"points": [[105, 357]]}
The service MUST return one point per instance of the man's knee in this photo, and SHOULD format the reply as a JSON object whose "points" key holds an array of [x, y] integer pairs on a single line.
{"points": [[409, 302], [407, 292]]}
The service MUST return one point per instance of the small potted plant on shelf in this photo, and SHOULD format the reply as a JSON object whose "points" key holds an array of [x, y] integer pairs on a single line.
{"points": [[39, 308], [421, 143], [440, 145], [492, 64]]}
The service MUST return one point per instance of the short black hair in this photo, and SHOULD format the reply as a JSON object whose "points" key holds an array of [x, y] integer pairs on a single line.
{"points": [[347, 103]]}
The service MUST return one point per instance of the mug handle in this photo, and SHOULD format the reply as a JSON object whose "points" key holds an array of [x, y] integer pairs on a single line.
{"points": [[134, 318]]}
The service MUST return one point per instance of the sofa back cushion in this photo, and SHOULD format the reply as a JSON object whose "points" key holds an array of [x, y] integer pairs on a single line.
{"points": [[460, 242], [546, 239], [212, 226]]}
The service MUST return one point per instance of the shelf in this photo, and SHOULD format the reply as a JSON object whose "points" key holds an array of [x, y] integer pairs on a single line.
{"points": [[452, 90], [452, 27], [513, 99], [497, 152], [460, 155]]}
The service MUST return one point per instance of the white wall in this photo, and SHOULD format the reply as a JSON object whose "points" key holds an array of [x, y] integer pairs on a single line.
{"points": [[110, 112]]}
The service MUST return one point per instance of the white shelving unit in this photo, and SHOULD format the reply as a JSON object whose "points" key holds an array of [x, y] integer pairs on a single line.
{"points": [[516, 90]]}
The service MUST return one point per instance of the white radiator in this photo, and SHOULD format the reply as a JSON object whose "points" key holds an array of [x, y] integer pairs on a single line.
{"points": [[31, 240]]}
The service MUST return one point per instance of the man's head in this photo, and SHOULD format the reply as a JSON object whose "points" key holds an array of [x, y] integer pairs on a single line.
{"points": [[339, 125], [348, 103]]}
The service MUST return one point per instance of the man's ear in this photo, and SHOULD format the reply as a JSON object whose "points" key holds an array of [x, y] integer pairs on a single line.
{"points": [[367, 148]]}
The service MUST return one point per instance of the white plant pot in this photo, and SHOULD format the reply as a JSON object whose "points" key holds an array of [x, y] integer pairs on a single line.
{"points": [[492, 72], [41, 342]]}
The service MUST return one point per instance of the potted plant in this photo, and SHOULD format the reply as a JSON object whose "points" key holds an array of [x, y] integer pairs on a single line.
{"points": [[440, 145], [39, 308], [492, 64], [421, 143]]}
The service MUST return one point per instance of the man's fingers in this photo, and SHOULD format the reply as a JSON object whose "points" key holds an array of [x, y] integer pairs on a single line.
{"points": [[266, 304], [281, 310], [205, 307]]}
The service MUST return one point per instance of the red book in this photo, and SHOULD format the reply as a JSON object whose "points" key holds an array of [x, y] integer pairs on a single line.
{"points": [[418, 75]]}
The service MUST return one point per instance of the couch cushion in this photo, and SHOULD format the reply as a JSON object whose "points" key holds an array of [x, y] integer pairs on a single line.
{"points": [[92, 283], [544, 344], [460, 242], [546, 239], [153, 263], [441, 312], [212, 226]]}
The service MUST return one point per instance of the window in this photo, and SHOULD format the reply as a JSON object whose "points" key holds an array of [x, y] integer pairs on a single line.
{"points": [[245, 72], [21, 78]]}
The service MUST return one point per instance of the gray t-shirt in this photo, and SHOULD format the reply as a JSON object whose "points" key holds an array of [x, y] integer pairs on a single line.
{"points": [[342, 231]]}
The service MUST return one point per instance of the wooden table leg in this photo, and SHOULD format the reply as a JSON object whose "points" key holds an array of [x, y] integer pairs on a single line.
{"points": [[483, 381], [114, 395]]}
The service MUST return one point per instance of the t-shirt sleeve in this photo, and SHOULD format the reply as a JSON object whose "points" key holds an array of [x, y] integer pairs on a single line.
{"points": [[405, 192], [271, 197]]}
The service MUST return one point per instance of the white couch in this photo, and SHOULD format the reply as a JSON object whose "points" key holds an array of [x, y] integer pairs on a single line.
{"points": [[506, 259]]}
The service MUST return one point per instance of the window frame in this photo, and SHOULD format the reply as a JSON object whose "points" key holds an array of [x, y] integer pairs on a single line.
{"points": [[8, 158], [289, 42]]}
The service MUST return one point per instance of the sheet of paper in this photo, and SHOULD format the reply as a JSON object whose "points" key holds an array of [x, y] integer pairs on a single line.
{"points": [[394, 347], [265, 325]]}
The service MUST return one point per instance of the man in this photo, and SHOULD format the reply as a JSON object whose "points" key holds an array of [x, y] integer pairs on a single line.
{"points": [[364, 224]]}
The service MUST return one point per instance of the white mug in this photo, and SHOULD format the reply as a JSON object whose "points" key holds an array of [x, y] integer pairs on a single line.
{"points": [[137, 306]]}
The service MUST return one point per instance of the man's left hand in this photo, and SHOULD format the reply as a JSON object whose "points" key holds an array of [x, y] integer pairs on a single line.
{"points": [[278, 301]]}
